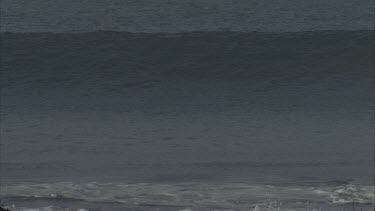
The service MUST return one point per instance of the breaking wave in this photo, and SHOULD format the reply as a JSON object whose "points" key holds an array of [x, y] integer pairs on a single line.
{"points": [[209, 196]]}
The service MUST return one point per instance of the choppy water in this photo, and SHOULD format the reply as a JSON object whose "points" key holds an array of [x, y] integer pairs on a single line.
{"points": [[199, 113]]}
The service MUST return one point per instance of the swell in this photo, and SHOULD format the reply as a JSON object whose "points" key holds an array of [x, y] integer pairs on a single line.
{"points": [[141, 59]]}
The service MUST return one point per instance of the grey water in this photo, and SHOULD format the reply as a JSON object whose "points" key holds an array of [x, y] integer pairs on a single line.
{"points": [[200, 105], [185, 16]]}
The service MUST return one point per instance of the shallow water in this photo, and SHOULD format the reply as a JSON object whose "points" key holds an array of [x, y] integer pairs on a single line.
{"points": [[194, 196]]}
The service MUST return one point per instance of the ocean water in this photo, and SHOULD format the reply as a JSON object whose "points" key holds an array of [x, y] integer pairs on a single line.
{"points": [[175, 106], [185, 16]]}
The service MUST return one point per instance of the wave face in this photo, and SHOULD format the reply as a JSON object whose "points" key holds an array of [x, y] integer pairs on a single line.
{"points": [[163, 109], [284, 57]]}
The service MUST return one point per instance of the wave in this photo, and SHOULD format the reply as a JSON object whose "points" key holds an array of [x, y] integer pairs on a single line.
{"points": [[107, 58], [52, 72], [219, 196]]}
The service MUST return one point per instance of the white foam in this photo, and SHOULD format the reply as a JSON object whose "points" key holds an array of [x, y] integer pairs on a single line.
{"points": [[48, 208], [228, 196], [256, 208]]}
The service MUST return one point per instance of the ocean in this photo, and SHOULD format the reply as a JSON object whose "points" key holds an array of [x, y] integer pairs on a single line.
{"points": [[194, 105]]}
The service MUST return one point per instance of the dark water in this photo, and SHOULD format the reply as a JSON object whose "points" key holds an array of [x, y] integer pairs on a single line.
{"points": [[187, 15], [223, 118], [212, 110]]}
